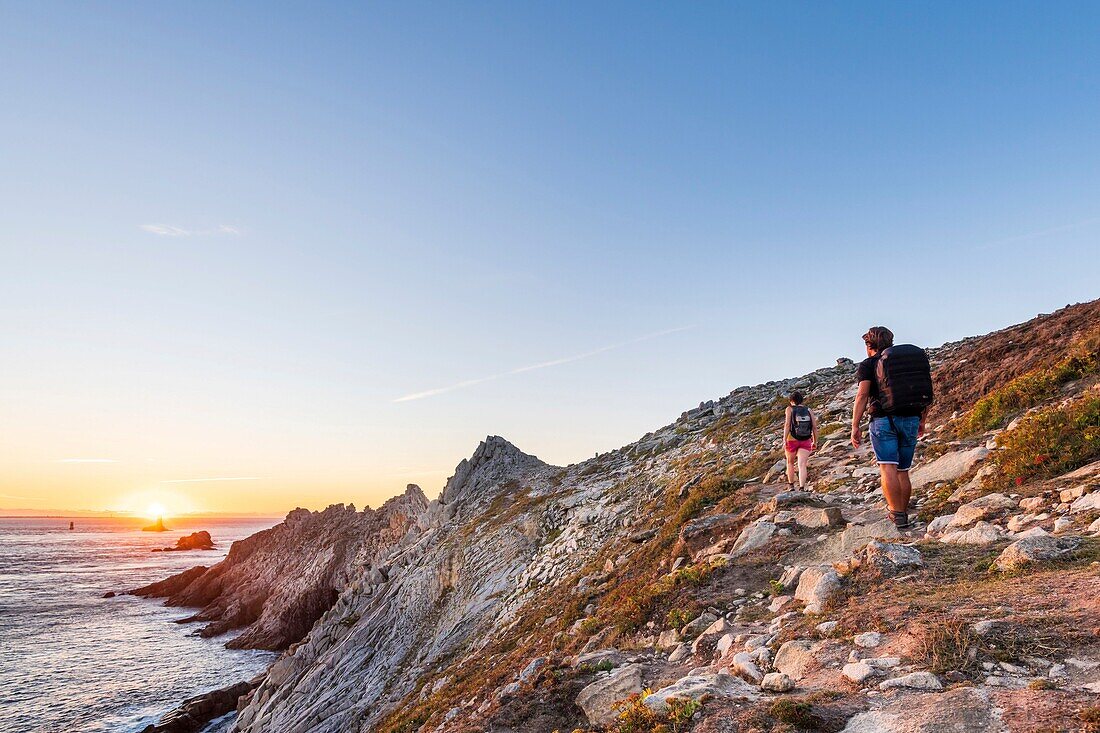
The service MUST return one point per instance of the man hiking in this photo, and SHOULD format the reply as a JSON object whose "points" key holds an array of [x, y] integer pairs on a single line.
{"points": [[799, 438], [895, 388]]}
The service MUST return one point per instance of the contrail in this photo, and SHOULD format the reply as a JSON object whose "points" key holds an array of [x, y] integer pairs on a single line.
{"points": [[1041, 233], [219, 478], [540, 365]]}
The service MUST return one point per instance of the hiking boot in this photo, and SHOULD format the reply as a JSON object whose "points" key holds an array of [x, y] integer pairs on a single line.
{"points": [[901, 520]]}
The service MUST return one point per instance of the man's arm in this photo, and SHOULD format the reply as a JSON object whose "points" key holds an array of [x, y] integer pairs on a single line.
{"points": [[813, 424], [862, 397], [923, 418], [786, 427]]}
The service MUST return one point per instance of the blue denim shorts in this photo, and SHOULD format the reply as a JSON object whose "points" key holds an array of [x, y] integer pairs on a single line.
{"points": [[895, 443]]}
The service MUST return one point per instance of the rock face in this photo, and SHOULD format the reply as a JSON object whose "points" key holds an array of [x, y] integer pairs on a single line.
{"points": [[278, 582], [446, 590]]}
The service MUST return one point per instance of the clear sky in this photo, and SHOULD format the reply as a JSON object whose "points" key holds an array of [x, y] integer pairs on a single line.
{"points": [[325, 249]]}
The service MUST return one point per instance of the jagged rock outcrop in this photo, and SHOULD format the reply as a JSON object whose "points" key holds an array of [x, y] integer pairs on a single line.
{"points": [[278, 582], [502, 600]]}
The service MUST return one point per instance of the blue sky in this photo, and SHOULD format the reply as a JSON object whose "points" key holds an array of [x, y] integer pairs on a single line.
{"points": [[234, 237]]}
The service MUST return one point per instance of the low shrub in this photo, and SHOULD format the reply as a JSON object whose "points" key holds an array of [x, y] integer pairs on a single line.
{"points": [[634, 716], [1049, 443], [949, 643], [798, 713], [1033, 387]]}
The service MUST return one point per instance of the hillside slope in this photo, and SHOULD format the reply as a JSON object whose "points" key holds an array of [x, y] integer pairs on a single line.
{"points": [[537, 598]]}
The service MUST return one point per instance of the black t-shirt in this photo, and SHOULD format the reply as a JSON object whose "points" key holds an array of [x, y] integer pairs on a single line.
{"points": [[866, 371]]}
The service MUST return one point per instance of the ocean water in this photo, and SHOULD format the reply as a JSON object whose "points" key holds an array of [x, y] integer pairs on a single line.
{"points": [[71, 660]]}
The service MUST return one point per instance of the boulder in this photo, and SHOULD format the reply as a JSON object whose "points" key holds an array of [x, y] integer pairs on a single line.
{"points": [[777, 682], [531, 672], [1067, 495], [796, 658], [818, 518], [867, 640], [947, 467], [961, 710], [1032, 503], [597, 700], [1088, 502], [704, 533], [855, 536], [1035, 549], [698, 625], [668, 640], [680, 653], [913, 681], [791, 499], [597, 657], [890, 558], [754, 536], [695, 687], [816, 586], [982, 533], [857, 672], [939, 524], [989, 506], [744, 665]]}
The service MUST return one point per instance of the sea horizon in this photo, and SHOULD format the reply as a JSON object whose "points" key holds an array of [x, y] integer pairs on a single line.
{"points": [[89, 663]]}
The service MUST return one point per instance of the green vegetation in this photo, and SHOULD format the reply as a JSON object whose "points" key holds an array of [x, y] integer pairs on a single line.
{"points": [[798, 713], [681, 710], [637, 717], [678, 618], [1033, 387], [1091, 718], [633, 611], [1049, 443]]}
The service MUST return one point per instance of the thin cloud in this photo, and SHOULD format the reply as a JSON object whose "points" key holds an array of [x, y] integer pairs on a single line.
{"points": [[216, 478], [541, 365], [13, 496], [86, 460], [166, 230]]}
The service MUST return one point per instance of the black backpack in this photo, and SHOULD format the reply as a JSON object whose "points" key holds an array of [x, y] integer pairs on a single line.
{"points": [[904, 380], [802, 426]]}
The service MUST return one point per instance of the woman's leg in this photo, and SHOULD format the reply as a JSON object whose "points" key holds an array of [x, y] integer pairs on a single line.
{"points": [[803, 458], [791, 459]]}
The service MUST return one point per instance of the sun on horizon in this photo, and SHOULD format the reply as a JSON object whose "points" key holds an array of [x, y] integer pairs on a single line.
{"points": [[156, 510]]}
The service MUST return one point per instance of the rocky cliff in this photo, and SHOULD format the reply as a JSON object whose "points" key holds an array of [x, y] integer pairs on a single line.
{"points": [[278, 582], [530, 597]]}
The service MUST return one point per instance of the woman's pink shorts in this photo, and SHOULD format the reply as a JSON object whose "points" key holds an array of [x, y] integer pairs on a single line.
{"points": [[793, 446]]}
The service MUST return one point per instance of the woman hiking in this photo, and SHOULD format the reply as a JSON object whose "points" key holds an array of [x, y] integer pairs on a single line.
{"points": [[799, 438]]}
